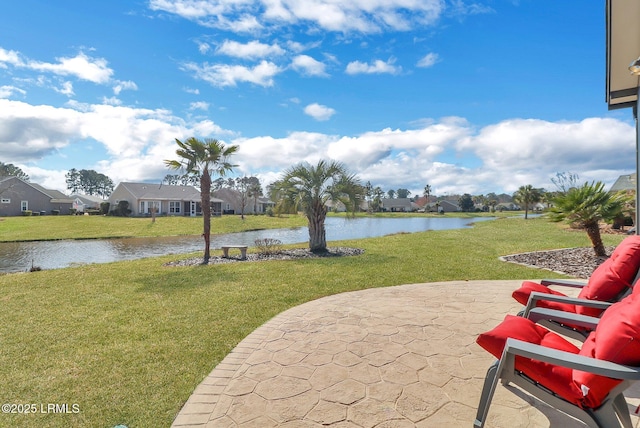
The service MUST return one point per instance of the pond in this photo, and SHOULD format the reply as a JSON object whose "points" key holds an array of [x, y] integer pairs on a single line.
{"points": [[21, 256]]}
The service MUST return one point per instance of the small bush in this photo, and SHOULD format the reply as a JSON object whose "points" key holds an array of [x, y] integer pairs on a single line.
{"points": [[35, 213], [268, 246], [104, 207], [122, 209], [27, 213]]}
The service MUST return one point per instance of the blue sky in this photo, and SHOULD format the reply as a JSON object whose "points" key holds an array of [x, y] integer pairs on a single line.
{"points": [[466, 96]]}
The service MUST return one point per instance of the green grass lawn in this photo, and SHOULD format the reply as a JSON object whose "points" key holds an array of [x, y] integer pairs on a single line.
{"points": [[129, 341]]}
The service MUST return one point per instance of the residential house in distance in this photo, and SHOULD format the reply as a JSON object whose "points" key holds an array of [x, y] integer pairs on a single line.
{"points": [[18, 196], [82, 203], [443, 206], [165, 199], [397, 204], [232, 202]]}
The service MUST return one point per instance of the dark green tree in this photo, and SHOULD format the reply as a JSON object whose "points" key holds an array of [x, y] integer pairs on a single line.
{"points": [[89, 182], [403, 193], [465, 202], [10, 170]]}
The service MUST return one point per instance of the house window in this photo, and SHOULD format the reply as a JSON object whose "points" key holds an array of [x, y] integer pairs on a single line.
{"points": [[5, 201], [174, 207], [146, 207], [24, 205]]}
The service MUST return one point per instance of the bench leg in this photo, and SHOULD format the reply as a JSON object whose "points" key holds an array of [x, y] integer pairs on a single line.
{"points": [[225, 253], [243, 253]]}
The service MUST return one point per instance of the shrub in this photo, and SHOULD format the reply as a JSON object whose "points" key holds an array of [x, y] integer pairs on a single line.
{"points": [[35, 213], [27, 213], [122, 209], [268, 246], [104, 207]]}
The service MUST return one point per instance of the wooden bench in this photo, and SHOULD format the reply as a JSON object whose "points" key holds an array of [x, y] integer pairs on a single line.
{"points": [[242, 248]]}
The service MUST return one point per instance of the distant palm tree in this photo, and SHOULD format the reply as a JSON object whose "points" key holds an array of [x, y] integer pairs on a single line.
{"points": [[309, 188], [585, 206], [527, 195], [201, 159], [427, 192]]}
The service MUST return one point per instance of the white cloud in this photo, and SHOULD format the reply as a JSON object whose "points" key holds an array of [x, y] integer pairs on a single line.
{"points": [[66, 89], [199, 105], [203, 47], [136, 140], [308, 66], [319, 112], [251, 50], [11, 58], [377, 67], [7, 91], [222, 75], [429, 60], [499, 157], [124, 85], [81, 66], [365, 16]]}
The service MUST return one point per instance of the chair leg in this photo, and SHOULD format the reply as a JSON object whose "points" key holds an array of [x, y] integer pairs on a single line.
{"points": [[488, 390], [622, 410], [613, 415]]}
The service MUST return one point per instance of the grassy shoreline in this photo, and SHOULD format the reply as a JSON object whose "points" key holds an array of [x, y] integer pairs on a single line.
{"points": [[129, 341]]}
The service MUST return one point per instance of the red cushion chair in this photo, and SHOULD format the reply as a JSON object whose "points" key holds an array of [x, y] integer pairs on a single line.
{"points": [[585, 382], [609, 282]]}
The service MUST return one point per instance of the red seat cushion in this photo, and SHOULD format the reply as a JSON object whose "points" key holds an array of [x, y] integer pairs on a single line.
{"points": [[556, 378], [522, 295], [607, 282], [616, 339]]}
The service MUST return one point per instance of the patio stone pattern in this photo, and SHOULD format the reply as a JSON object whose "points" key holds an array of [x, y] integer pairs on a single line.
{"points": [[401, 356]]}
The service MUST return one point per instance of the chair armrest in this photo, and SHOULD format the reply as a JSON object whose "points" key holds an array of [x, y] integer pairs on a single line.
{"points": [[536, 296], [584, 321], [515, 347], [564, 283]]}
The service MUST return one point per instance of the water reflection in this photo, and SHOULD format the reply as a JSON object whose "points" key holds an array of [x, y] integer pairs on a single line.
{"points": [[20, 256]]}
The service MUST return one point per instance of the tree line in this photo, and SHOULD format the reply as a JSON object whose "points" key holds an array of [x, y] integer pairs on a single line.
{"points": [[88, 182]]}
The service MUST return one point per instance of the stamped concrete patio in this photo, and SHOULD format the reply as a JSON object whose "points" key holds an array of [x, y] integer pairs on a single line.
{"points": [[402, 356]]}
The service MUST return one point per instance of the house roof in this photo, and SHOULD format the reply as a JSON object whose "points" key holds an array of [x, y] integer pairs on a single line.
{"points": [[624, 182], [154, 191], [55, 195], [87, 198], [396, 202]]}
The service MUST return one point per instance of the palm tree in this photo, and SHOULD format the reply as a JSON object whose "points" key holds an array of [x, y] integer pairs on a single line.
{"points": [[584, 207], [309, 188], [427, 192], [201, 159], [527, 195]]}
